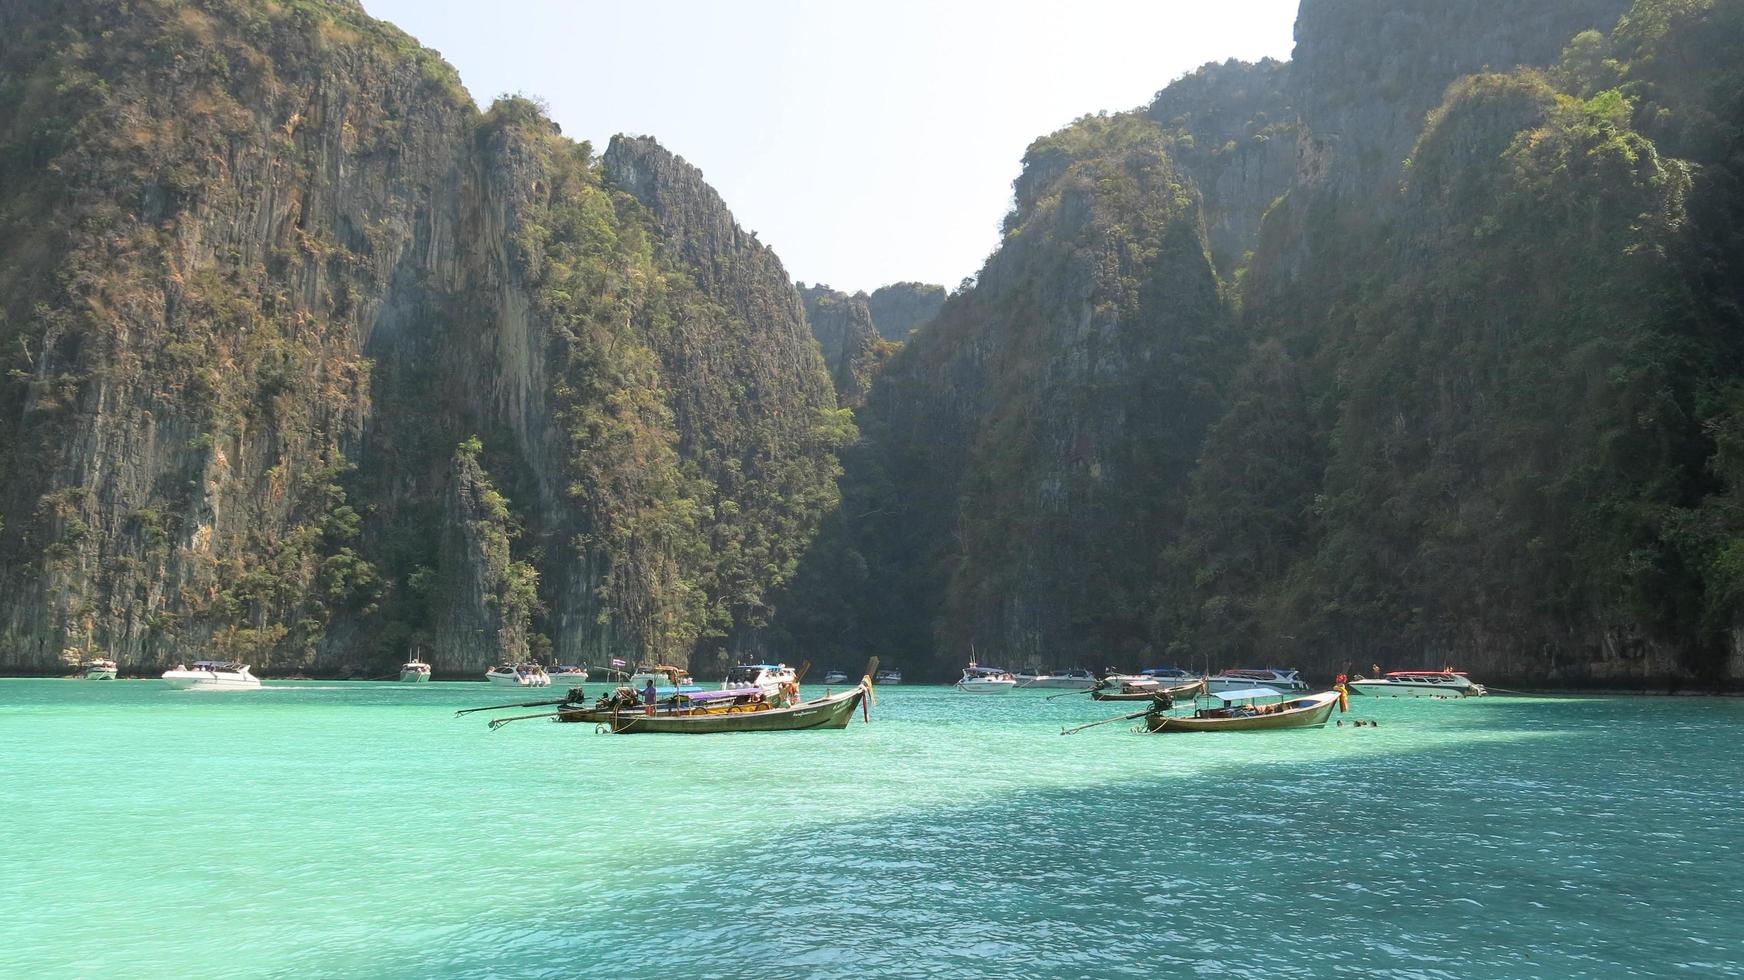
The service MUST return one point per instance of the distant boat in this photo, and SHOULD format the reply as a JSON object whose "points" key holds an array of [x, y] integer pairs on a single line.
{"points": [[1126, 687], [1146, 690], [1241, 711], [99, 670], [568, 673], [1419, 684], [667, 680], [518, 675], [985, 680], [414, 671], [888, 676], [768, 678], [212, 675], [1168, 675], [835, 676], [1281, 679], [1076, 679]]}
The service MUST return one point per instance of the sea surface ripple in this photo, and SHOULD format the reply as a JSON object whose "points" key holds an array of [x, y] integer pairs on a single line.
{"points": [[327, 829]]}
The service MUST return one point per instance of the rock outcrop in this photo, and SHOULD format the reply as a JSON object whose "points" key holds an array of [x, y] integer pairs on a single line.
{"points": [[902, 307], [1419, 349], [264, 267]]}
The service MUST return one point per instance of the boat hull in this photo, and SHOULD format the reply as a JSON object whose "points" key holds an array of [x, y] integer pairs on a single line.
{"points": [[1217, 685], [1059, 683], [1390, 689], [1309, 712], [518, 680], [1180, 691], [99, 675], [190, 681], [413, 677], [825, 713], [986, 687]]}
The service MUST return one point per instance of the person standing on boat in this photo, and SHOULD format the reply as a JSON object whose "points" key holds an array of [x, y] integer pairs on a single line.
{"points": [[648, 696]]}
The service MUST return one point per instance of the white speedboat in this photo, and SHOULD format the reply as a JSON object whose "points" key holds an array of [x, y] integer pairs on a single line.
{"points": [[1076, 679], [888, 676], [99, 670], [568, 674], [768, 678], [985, 680], [1169, 676], [1280, 679], [1418, 684], [518, 675], [212, 675], [414, 671], [835, 676]]}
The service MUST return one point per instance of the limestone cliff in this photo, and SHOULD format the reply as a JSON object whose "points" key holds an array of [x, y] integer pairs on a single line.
{"points": [[900, 308], [849, 341], [263, 267], [1455, 381], [1017, 445]]}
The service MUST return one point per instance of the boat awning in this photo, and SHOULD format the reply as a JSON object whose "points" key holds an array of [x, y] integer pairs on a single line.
{"points": [[715, 695], [1247, 694]]}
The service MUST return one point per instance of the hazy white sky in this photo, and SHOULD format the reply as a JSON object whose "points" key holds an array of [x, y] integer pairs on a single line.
{"points": [[866, 142]]}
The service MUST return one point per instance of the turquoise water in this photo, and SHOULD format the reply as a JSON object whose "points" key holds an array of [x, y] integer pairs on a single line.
{"points": [[326, 829]]}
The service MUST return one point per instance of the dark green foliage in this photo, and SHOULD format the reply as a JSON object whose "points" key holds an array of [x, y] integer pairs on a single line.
{"points": [[1520, 389], [1018, 446], [1489, 409]]}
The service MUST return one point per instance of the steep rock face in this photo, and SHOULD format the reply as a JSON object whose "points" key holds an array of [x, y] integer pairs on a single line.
{"points": [[264, 268], [1018, 444], [850, 343], [899, 308], [1516, 378], [1367, 72], [481, 608], [752, 406], [1236, 133], [201, 214], [1488, 408]]}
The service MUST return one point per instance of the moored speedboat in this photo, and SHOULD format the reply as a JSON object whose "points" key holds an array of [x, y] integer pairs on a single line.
{"points": [[99, 670], [1284, 680], [1418, 684], [888, 676], [518, 675], [985, 680], [768, 678], [1253, 709], [212, 675], [835, 675], [1169, 676], [567, 674], [1075, 679], [414, 671]]}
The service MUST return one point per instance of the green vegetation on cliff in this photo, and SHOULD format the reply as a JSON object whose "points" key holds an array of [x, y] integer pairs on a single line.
{"points": [[1468, 392], [264, 265]]}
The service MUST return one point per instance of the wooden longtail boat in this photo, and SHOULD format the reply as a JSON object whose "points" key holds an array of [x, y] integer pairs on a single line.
{"points": [[834, 711], [1309, 711], [1172, 693], [706, 703]]}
